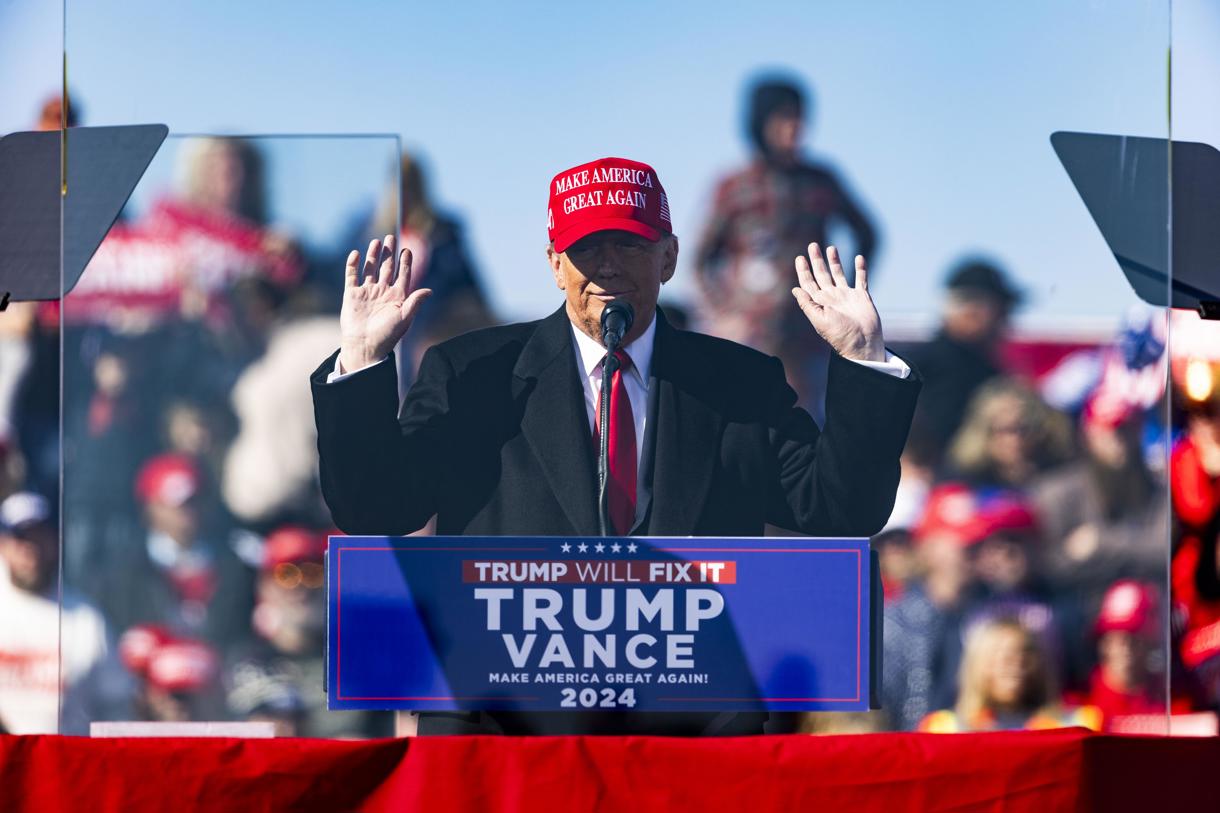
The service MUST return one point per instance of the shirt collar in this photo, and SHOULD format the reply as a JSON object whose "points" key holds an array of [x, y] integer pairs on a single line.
{"points": [[589, 353]]}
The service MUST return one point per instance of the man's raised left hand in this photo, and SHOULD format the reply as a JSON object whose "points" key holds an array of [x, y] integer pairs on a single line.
{"points": [[842, 314]]}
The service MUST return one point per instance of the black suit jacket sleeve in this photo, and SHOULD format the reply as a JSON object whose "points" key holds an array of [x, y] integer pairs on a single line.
{"points": [[370, 458], [842, 480]]}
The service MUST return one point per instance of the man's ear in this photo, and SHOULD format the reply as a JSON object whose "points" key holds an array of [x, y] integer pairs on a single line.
{"points": [[671, 259], [555, 260]]}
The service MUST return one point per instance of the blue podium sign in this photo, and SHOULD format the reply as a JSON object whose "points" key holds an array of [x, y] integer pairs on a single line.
{"points": [[553, 623]]}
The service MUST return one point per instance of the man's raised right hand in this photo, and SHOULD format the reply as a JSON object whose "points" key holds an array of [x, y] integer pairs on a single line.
{"points": [[377, 309]]}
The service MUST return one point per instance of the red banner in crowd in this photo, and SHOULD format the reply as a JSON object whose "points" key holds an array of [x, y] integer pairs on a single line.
{"points": [[151, 270]]}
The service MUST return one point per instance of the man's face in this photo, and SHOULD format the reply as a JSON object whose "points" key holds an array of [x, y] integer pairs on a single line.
{"points": [[782, 134], [32, 557], [181, 522], [974, 318], [610, 265], [1122, 658]]}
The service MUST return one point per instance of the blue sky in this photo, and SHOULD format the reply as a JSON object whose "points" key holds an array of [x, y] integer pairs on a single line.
{"points": [[937, 113]]}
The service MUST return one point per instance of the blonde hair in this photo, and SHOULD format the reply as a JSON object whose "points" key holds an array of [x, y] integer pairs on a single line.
{"points": [[417, 215], [196, 162], [981, 643], [1050, 438]]}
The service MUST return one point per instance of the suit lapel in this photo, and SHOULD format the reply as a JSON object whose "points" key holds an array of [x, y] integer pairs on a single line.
{"points": [[555, 422], [687, 436]]}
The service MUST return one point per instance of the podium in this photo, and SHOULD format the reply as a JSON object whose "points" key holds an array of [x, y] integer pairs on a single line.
{"points": [[631, 624]]}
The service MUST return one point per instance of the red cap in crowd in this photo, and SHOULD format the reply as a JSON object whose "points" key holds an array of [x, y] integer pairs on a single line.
{"points": [[1128, 606], [182, 666], [166, 661], [138, 644], [970, 516], [609, 193], [292, 544], [169, 478]]}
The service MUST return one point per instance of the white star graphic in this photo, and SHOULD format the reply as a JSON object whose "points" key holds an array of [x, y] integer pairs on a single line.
{"points": [[565, 547], [582, 547], [631, 548], [615, 548], [599, 547]]}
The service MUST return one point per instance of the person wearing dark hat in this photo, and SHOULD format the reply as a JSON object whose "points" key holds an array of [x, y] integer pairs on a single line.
{"points": [[45, 633], [762, 216], [963, 354], [496, 435]]}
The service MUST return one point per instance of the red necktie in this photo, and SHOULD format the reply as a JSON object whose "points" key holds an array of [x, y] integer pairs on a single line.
{"points": [[622, 480]]}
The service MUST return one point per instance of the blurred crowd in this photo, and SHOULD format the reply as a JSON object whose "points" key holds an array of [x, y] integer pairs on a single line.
{"points": [[1052, 493]]}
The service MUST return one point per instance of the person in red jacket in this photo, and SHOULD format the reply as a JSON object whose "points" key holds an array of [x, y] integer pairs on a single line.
{"points": [[1195, 489], [1126, 632]]}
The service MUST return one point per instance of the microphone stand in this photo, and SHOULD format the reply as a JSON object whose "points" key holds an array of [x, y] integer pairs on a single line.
{"points": [[603, 422]]}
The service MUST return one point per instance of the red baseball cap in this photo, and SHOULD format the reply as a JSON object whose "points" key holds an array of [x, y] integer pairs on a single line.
{"points": [[969, 516], [182, 665], [291, 544], [139, 643], [1128, 606], [166, 661], [169, 478], [609, 193]]}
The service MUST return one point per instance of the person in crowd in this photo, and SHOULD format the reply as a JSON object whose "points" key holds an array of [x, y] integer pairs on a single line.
{"points": [[183, 573], [977, 554], [921, 641], [1126, 635], [51, 116], [1195, 492], [919, 461], [271, 699], [176, 675], [964, 352], [177, 264], [1007, 683], [1004, 544], [270, 471], [1005, 550], [1104, 515], [106, 436], [441, 260], [1008, 436], [762, 216], [280, 674], [48, 639], [897, 559]]}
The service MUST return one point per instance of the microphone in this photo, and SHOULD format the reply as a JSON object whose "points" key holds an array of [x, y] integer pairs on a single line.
{"points": [[617, 317]]}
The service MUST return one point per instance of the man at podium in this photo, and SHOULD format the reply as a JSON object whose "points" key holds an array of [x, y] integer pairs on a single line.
{"points": [[497, 434]]}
